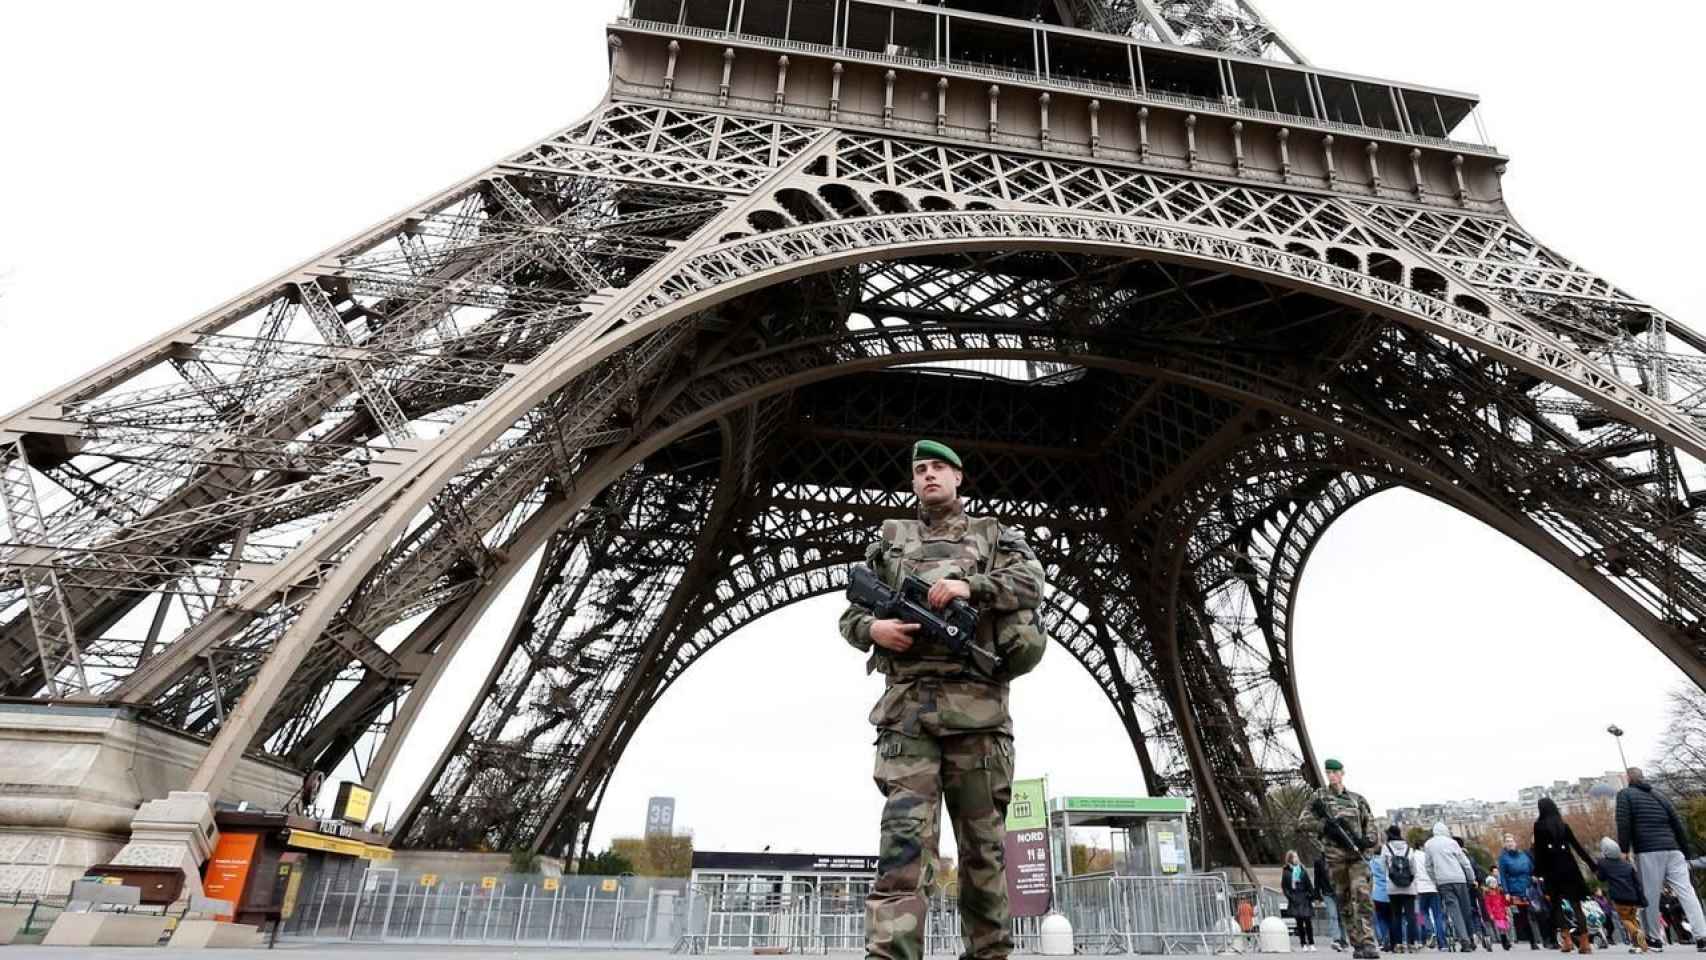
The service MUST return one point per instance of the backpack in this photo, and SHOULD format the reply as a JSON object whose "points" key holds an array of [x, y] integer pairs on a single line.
{"points": [[1020, 639], [1401, 872]]}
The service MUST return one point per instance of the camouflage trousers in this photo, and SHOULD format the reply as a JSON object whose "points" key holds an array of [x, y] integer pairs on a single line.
{"points": [[973, 772], [1354, 889]]}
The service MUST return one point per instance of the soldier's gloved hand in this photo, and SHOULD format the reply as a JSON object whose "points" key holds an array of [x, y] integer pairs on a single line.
{"points": [[942, 592], [894, 636]]}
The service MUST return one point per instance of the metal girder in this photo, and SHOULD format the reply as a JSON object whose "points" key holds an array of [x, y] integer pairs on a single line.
{"points": [[56, 634]]}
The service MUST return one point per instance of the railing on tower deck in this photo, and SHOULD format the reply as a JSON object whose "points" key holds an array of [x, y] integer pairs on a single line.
{"points": [[1229, 106], [906, 126]]}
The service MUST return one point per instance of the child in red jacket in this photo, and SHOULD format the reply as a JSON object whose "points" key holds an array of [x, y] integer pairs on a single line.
{"points": [[1499, 908]]}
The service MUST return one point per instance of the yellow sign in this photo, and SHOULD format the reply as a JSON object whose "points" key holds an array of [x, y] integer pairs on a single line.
{"points": [[609, 885], [353, 803], [113, 881], [488, 883], [429, 879], [291, 887], [308, 840], [550, 883]]}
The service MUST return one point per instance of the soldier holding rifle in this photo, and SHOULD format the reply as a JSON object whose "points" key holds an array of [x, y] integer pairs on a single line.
{"points": [[946, 608], [1344, 826]]}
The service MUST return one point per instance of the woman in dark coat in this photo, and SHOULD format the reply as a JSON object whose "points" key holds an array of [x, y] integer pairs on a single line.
{"points": [[1299, 889], [1554, 842]]}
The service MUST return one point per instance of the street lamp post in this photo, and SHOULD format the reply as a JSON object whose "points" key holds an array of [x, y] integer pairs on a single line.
{"points": [[1617, 732]]}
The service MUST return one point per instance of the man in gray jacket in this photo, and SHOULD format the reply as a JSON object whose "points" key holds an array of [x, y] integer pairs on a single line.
{"points": [[1648, 827], [1452, 872]]}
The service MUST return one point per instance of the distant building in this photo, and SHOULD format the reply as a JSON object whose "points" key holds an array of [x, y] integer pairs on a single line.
{"points": [[1479, 819]]}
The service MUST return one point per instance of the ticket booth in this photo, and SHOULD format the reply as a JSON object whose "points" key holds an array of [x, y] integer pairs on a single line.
{"points": [[1148, 836]]}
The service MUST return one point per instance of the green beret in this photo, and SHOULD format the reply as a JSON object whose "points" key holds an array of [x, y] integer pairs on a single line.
{"points": [[931, 450], [1334, 765]]}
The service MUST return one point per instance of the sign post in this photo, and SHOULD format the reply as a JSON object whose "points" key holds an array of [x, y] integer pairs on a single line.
{"points": [[1030, 877], [660, 816]]}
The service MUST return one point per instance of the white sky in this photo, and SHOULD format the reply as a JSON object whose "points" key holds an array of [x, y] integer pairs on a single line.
{"points": [[161, 158]]}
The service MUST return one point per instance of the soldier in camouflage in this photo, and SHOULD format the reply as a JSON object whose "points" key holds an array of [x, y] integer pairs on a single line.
{"points": [[1346, 865], [943, 731]]}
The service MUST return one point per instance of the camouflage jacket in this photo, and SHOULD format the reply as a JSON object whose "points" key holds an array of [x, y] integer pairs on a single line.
{"points": [[1004, 576], [1345, 804]]}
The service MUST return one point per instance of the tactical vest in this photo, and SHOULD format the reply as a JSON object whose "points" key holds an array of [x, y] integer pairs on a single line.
{"points": [[906, 548]]}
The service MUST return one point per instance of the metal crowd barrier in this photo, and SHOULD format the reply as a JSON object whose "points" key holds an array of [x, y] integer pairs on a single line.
{"points": [[580, 911], [1164, 915], [806, 918], [767, 917], [1110, 914]]}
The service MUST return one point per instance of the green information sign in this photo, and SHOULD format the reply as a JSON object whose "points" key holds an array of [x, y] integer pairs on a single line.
{"points": [[1161, 805], [1029, 807], [1030, 878]]}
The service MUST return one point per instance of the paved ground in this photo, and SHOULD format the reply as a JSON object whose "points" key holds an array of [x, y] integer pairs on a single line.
{"points": [[352, 950], [301, 951]]}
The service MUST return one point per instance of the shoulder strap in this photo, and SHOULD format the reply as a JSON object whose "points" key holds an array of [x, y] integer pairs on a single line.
{"points": [[994, 527], [890, 531]]}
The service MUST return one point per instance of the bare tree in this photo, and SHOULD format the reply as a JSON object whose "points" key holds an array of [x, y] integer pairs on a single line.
{"points": [[1681, 755]]}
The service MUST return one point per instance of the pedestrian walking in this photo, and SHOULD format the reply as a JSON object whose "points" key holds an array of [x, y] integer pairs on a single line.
{"points": [[1324, 890], [1382, 903], [1399, 861], [1555, 850], [1541, 906], [1649, 828], [1480, 925], [1452, 873], [1608, 918], [1428, 902], [1516, 869], [1671, 910], [1299, 888], [1498, 908]]}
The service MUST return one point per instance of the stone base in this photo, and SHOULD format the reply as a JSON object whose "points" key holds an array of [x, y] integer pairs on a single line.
{"points": [[106, 930], [200, 934], [12, 922], [33, 862], [73, 775], [175, 832]]}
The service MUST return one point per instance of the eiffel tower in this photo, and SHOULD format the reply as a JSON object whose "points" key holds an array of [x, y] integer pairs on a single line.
{"points": [[1183, 296]]}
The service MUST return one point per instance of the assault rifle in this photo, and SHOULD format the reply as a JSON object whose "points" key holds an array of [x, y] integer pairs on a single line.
{"points": [[954, 627], [1338, 831]]}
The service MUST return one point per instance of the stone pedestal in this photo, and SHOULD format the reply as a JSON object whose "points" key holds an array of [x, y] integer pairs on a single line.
{"points": [[72, 777], [175, 832], [12, 923], [106, 930], [204, 934]]}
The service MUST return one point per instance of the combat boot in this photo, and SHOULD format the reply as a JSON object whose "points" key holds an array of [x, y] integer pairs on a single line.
{"points": [[1366, 951]]}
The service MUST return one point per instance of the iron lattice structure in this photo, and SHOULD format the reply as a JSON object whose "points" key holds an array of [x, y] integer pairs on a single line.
{"points": [[675, 352]]}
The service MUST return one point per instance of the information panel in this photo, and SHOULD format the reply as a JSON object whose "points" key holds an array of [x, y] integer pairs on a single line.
{"points": [[1030, 876]]}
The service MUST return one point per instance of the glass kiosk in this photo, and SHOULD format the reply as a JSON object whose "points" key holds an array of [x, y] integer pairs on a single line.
{"points": [[1149, 835]]}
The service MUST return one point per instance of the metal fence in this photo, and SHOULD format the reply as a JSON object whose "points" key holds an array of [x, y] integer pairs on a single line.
{"points": [[1195, 913], [588, 911], [1109, 914]]}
